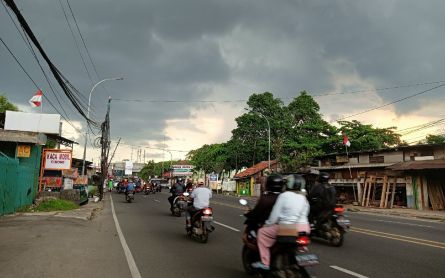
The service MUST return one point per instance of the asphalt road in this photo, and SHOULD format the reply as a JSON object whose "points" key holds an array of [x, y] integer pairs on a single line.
{"points": [[377, 246]]}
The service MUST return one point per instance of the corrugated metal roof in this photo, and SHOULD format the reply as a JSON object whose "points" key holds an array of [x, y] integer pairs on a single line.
{"points": [[255, 169], [419, 165], [354, 166]]}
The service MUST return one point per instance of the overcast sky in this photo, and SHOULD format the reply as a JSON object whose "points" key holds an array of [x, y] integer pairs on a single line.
{"points": [[226, 50]]}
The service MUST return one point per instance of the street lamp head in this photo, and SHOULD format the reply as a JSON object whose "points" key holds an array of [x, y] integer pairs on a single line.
{"points": [[120, 78]]}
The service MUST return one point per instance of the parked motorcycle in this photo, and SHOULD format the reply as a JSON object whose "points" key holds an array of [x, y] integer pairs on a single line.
{"points": [[290, 255], [129, 197], [333, 227], [179, 205], [201, 224]]}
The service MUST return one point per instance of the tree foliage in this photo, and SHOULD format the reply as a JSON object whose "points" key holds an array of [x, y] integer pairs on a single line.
{"points": [[6, 105], [298, 134], [435, 139]]}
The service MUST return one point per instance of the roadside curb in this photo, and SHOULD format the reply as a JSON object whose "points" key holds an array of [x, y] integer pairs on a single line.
{"points": [[86, 212], [401, 214]]}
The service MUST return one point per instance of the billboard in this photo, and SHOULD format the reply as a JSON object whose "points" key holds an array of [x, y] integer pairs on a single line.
{"points": [[182, 170], [128, 167], [57, 159], [33, 122]]}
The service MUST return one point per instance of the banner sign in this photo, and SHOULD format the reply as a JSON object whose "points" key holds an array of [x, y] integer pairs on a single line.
{"points": [[57, 159], [52, 181], [128, 167], [23, 151], [182, 170], [213, 177], [81, 180]]}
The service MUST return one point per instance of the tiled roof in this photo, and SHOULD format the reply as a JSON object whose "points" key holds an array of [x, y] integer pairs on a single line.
{"points": [[255, 169]]}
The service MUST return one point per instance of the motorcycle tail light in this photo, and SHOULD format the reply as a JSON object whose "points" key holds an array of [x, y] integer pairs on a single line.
{"points": [[339, 209], [207, 211], [303, 240]]}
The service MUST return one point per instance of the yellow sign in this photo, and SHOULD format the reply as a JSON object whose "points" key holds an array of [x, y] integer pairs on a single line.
{"points": [[23, 151]]}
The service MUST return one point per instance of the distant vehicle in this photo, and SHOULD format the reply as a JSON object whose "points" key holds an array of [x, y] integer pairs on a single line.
{"points": [[162, 182]]}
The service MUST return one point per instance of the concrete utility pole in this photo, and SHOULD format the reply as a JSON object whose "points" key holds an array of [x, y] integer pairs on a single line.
{"points": [[88, 116]]}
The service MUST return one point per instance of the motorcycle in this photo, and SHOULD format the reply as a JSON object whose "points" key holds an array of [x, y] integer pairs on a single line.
{"points": [[149, 189], [290, 255], [201, 222], [129, 197], [179, 205], [333, 227]]}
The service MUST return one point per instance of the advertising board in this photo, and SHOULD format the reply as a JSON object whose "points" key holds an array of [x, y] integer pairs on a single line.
{"points": [[57, 159]]}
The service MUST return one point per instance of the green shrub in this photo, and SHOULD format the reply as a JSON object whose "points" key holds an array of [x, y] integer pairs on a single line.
{"points": [[56, 204]]}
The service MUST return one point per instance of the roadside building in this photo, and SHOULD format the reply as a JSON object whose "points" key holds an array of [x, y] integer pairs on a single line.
{"points": [[20, 153], [392, 177], [251, 181]]}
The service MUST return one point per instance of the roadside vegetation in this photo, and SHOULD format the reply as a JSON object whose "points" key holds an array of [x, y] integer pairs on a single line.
{"points": [[50, 205]]}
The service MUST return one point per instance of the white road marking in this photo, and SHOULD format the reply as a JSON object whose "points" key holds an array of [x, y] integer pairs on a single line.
{"points": [[226, 226], [410, 224], [157, 201], [352, 273], [130, 260]]}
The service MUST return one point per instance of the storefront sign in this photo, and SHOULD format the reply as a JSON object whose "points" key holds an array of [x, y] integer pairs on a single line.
{"points": [[23, 151], [57, 159]]}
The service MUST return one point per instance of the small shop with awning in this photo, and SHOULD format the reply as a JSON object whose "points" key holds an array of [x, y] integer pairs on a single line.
{"points": [[251, 181]]}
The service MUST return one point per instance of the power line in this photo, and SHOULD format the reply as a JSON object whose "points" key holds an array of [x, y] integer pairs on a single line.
{"points": [[64, 83], [389, 103], [35, 84], [245, 100], [75, 42], [83, 41]]}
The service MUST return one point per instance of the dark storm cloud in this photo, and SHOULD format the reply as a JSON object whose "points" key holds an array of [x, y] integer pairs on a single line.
{"points": [[189, 50]]}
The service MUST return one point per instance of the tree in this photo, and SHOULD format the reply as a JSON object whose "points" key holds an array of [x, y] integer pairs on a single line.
{"points": [[366, 137], [435, 139], [6, 105]]}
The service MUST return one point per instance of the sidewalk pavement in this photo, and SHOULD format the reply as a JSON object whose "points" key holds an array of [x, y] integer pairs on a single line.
{"points": [[84, 212], [404, 212]]}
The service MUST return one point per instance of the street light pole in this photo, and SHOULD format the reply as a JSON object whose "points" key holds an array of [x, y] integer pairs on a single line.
{"points": [[88, 116]]}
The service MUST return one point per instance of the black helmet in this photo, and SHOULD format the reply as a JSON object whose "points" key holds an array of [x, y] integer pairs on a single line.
{"points": [[323, 177], [275, 183], [295, 183]]}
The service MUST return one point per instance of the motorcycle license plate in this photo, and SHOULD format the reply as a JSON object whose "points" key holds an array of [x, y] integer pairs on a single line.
{"points": [[307, 259], [207, 218], [343, 222]]}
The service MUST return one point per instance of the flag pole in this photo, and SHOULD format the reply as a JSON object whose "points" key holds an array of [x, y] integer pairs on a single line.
{"points": [[350, 173]]}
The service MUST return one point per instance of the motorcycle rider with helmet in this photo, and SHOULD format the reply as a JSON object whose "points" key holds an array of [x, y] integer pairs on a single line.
{"points": [[177, 189], [201, 199], [260, 213], [290, 209], [322, 198]]}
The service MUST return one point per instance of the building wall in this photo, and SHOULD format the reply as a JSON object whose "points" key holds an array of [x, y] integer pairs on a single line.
{"points": [[19, 180], [393, 157]]}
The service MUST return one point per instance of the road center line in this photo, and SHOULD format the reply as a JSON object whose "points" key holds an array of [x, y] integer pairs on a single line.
{"points": [[410, 224], [157, 201], [130, 260], [352, 273], [226, 226], [377, 233]]}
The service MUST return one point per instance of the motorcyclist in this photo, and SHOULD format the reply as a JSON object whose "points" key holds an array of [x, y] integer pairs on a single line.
{"points": [[201, 199], [260, 213], [130, 188], [177, 189], [322, 198], [291, 210]]}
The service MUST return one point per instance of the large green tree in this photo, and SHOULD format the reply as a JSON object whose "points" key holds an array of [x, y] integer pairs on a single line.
{"points": [[6, 105], [435, 139], [367, 137]]}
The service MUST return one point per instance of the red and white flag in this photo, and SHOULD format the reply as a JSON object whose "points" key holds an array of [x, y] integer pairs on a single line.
{"points": [[346, 141], [36, 100]]}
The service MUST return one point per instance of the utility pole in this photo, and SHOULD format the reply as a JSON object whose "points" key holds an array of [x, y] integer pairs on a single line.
{"points": [[105, 148]]}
